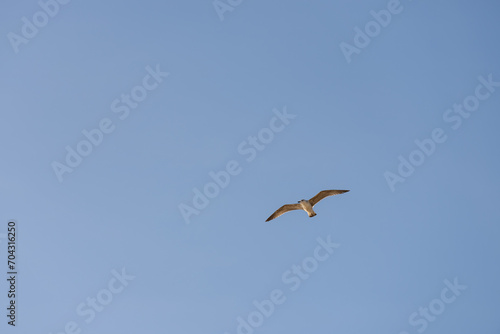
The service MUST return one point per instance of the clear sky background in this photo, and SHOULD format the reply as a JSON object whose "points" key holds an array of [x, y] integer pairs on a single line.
{"points": [[119, 209]]}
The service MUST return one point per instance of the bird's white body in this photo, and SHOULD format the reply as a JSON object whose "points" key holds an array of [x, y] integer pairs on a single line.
{"points": [[307, 207]]}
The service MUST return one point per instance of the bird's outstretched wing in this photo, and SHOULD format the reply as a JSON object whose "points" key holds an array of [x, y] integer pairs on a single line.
{"points": [[325, 193], [283, 209]]}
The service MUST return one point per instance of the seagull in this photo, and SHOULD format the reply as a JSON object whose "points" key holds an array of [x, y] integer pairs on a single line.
{"points": [[306, 205]]}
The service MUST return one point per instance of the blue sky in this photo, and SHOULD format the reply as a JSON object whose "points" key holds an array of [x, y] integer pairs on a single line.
{"points": [[103, 246]]}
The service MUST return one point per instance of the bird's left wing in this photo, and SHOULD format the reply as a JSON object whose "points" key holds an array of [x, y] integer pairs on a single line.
{"points": [[283, 209]]}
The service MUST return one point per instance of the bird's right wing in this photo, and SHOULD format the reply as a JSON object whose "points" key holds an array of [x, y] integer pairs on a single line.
{"points": [[283, 209], [325, 193]]}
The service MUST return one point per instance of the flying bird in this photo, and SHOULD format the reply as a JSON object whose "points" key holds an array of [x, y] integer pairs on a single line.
{"points": [[306, 205]]}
